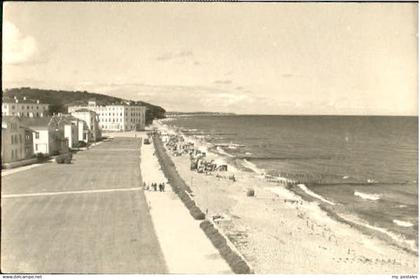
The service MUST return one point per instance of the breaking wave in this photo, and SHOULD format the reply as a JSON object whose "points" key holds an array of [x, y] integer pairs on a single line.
{"points": [[371, 197], [247, 164], [315, 195], [402, 223]]}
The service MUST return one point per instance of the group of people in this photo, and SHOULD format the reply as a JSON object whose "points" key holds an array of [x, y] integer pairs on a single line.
{"points": [[154, 187]]}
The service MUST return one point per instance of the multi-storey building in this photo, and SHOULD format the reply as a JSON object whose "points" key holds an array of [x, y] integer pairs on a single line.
{"points": [[16, 140], [117, 117], [74, 129], [23, 107], [91, 119], [48, 138]]}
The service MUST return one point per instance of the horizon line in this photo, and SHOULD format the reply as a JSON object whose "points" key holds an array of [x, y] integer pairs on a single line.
{"points": [[256, 114]]}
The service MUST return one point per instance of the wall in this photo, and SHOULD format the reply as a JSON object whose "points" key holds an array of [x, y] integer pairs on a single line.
{"points": [[117, 117], [92, 123], [41, 144], [13, 142], [71, 134], [25, 109], [28, 144]]}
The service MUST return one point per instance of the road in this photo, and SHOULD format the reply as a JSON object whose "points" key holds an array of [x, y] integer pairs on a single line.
{"points": [[87, 217]]}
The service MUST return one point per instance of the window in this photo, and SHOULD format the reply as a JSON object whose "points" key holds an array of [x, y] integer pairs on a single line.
{"points": [[13, 107], [20, 138], [27, 107], [37, 135], [36, 147], [13, 139]]}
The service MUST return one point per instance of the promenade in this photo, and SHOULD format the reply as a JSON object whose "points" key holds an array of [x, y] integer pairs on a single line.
{"points": [[87, 217]]}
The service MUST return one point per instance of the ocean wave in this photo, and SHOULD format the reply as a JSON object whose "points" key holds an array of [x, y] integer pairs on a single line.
{"points": [[222, 152], [365, 196], [315, 195], [230, 145], [250, 158], [167, 119], [247, 164], [398, 238], [356, 183], [402, 223]]}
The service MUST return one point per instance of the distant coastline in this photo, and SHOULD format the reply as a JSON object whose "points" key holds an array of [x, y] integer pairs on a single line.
{"points": [[198, 113]]}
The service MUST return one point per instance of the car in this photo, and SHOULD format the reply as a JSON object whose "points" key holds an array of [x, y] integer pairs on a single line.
{"points": [[146, 141]]}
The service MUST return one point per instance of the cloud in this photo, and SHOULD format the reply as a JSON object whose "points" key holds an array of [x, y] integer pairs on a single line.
{"points": [[175, 55], [226, 81], [17, 47], [177, 97]]}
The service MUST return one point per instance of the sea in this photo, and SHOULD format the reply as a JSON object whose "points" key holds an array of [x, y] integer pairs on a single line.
{"points": [[362, 168]]}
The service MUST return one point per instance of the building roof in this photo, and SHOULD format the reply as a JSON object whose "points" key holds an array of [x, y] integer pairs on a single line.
{"points": [[36, 122], [83, 110], [8, 119], [62, 119], [9, 100]]}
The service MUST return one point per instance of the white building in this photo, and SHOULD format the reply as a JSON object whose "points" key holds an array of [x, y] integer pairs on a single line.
{"points": [[23, 107], [91, 119], [117, 117], [75, 130], [48, 138]]}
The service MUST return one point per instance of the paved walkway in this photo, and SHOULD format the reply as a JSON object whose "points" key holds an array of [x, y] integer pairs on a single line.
{"points": [[184, 245], [87, 217]]}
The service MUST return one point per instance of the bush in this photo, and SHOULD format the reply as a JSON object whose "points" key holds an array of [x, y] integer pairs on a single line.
{"points": [[41, 156], [59, 160], [250, 193], [236, 263], [81, 144], [205, 225], [64, 158], [197, 213]]}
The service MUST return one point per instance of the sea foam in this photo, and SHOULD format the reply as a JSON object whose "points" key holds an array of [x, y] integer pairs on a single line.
{"points": [[222, 152], [252, 167], [315, 195], [402, 223], [365, 196]]}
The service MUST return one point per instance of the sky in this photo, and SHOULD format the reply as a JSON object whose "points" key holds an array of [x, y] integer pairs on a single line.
{"points": [[246, 58]]}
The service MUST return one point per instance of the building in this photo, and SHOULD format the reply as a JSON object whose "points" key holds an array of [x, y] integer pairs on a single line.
{"points": [[117, 117], [16, 140], [91, 119], [23, 107], [74, 129], [48, 137]]}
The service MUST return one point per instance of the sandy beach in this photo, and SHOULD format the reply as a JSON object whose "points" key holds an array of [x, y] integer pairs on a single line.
{"points": [[278, 232]]}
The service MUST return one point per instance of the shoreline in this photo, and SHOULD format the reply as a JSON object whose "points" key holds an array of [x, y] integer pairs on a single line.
{"points": [[257, 225]]}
